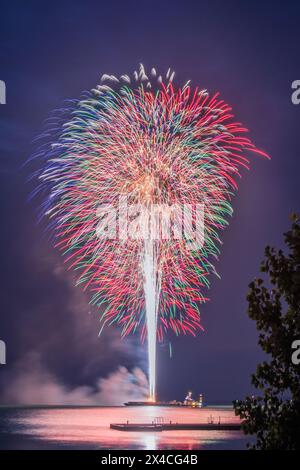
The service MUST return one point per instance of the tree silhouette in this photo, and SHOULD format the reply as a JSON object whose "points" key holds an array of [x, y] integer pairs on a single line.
{"points": [[274, 304]]}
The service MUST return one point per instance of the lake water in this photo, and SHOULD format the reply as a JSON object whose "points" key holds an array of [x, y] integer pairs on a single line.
{"points": [[88, 428]]}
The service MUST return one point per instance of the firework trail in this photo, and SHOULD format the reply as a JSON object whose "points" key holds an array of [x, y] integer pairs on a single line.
{"points": [[141, 141]]}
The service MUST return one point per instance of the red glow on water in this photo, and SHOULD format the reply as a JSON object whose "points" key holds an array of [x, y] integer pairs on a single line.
{"points": [[89, 427]]}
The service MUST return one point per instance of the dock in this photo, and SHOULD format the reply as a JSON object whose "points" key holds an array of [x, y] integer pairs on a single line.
{"points": [[158, 427]]}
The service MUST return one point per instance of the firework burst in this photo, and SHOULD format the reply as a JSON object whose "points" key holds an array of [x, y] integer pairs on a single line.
{"points": [[143, 139]]}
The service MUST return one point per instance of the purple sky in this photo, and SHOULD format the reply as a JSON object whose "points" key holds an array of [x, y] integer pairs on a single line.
{"points": [[246, 50]]}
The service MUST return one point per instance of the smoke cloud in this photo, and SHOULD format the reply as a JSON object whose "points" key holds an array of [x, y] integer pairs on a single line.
{"points": [[37, 386]]}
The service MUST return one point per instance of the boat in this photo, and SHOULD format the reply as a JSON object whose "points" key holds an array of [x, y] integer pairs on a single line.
{"points": [[189, 402], [152, 403]]}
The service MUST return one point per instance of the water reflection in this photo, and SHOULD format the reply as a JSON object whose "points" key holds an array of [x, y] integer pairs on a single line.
{"points": [[89, 428]]}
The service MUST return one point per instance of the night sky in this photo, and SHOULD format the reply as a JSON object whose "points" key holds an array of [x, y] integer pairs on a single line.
{"points": [[249, 51]]}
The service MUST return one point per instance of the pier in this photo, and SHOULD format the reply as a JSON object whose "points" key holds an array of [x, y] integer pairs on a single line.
{"points": [[163, 426]]}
